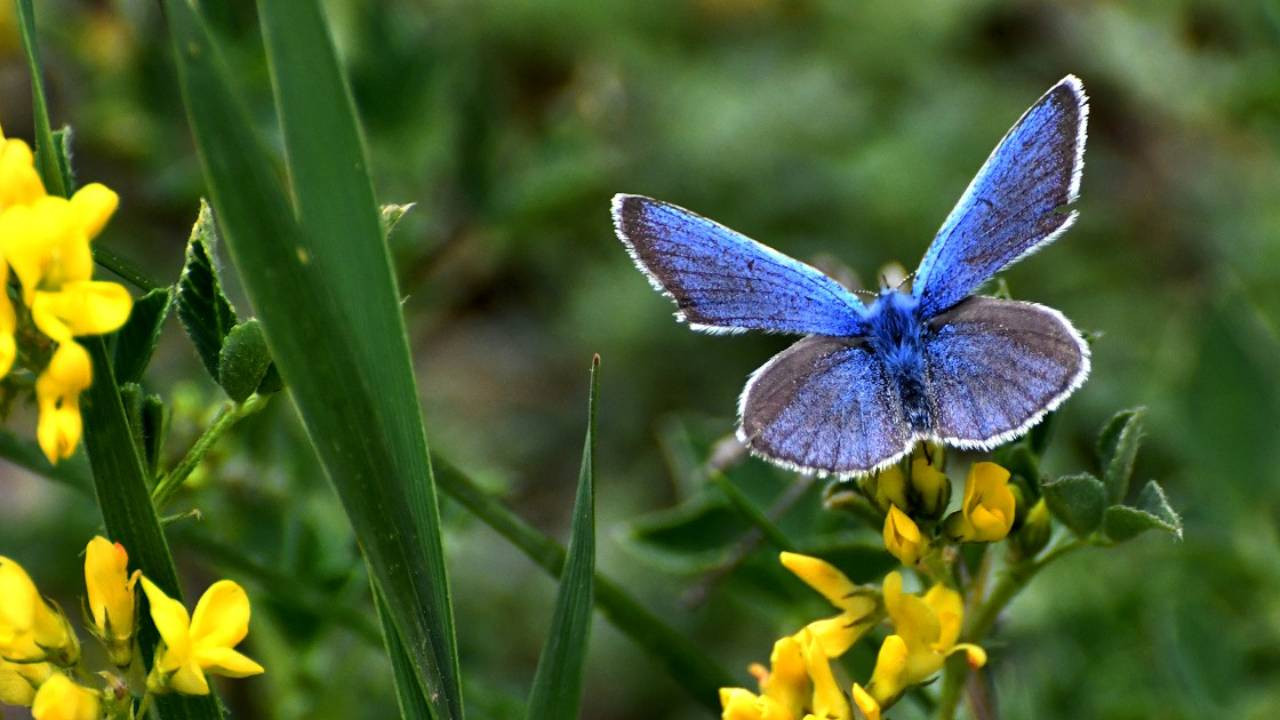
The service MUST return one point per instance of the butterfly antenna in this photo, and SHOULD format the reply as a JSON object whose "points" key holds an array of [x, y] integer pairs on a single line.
{"points": [[910, 278]]}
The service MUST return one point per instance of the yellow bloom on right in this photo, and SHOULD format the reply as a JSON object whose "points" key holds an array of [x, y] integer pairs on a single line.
{"points": [[199, 643], [987, 512]]}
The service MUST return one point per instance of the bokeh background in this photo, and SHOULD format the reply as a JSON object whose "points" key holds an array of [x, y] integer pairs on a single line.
{"points": [[838, 132]]}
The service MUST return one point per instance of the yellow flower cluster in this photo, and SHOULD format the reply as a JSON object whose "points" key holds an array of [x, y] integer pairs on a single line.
{"points": [[38, 646], [45, 240], [800, 684], [926, 627]]}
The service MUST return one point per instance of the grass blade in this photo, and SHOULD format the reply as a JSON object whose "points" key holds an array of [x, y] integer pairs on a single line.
{"points": [[120, 480], [557, 685], [413, 704], [686, 663], [324, 292]]}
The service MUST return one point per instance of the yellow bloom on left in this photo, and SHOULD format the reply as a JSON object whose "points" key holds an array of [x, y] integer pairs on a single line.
{"points": [[859, 607], [58, 396], [59, 698], [18, 681], [799, 685], [111, 597], [926, 629], [45, 240], [31, 630], [201, 643]]}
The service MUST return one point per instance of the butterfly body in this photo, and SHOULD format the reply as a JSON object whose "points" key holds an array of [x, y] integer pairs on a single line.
{"points": [[937, 363], [896, 336]]}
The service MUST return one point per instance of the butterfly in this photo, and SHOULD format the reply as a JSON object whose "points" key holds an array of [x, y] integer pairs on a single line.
{"points": [[932, 363]]}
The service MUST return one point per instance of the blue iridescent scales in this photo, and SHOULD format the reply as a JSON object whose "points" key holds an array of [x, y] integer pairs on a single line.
{"points": [[935, 363]]}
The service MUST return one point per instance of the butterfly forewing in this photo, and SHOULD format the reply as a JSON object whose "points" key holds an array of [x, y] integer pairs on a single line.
{"points": [[723, 281], [1014, 204], [993, 368], [825, 405]]}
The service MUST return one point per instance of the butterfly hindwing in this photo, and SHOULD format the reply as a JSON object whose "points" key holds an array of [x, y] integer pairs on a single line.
{"points": [[1014, 204], [723, 281], [824, 405], [993, 368]]}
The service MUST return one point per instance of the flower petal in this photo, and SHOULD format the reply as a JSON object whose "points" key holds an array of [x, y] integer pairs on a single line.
{"points": [[826, 579], [172, 621], [221, 618], [227, 662], [190, 680], [89, 307], [92, 206]]}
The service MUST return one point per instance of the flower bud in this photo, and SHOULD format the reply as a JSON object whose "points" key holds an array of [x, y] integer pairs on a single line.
{"points": [[59, 698], [902, 537], [930, 487], [988, 509], [111, 597], [1034, 533], [18, 681], [31, 630]]}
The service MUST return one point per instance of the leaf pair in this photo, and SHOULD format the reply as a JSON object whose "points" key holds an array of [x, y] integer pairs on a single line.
{"points": [[235, 353], [1087, 504]]}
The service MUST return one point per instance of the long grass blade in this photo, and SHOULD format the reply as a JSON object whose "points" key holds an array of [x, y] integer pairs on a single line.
{"points": [[557, 685], [323, 289]]}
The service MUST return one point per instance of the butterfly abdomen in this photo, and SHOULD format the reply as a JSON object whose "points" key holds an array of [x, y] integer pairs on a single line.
{"points": [[897, 338]]}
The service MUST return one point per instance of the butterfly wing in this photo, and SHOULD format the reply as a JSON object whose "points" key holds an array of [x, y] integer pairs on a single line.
{"points": [[824, 405], [722, 281], [1012, 207], [994, 368]]}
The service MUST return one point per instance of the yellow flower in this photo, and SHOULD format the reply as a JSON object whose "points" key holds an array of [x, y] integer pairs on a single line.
{"points": [[799, 685], [866, 704], [8, 322], [61, 699], [194, 645], [47, 240], [58, 396], [784, 688], [902, 537], [18, 681], [860, 607], [926, 629], [829, 703], [111, 597], [30, 630], [989, 504], [19, 182]]}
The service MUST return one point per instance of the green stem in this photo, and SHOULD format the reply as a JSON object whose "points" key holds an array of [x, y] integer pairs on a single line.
{"points": [[751, 513], [228, 415], [1007, 587], [123, 267], [688, 665]]}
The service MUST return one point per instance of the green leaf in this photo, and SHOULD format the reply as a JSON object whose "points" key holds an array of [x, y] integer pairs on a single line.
{"points": [[1152, 512], [1076, 500], [693, 537], [324, 292], [557, 684], [51, 170], [243, 362], [203, 308], [136, 341], [684, 661], [62, 155], [1117, 449]]}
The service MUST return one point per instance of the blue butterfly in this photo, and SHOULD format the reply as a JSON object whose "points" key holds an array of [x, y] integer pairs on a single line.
{"points": [[936, 363]]}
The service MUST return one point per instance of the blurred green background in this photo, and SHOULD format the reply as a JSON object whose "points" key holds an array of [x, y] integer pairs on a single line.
{"points": [[838, 132]]}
